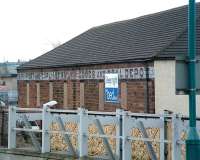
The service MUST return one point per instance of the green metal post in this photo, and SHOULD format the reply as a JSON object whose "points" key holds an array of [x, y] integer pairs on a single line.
{"points": [[193, 141]]}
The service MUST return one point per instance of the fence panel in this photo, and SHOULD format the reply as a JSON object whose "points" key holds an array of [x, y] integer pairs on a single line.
{"points": [[112, 135]]}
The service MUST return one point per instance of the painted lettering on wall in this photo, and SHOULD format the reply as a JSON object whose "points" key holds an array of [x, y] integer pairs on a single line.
{"points": [[124, 73]]}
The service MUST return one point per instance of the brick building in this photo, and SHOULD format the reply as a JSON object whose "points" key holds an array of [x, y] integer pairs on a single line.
{"points": [[140, 50], [8, 82]]}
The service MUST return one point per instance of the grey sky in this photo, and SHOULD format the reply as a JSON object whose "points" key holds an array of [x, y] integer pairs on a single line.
{"points": [[29, 28]]}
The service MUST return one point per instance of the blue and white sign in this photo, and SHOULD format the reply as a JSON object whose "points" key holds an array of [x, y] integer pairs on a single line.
{"points": [[111, 87]]}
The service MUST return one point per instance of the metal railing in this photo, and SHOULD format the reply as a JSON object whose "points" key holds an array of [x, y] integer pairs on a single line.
{"points": [[123, 121]]}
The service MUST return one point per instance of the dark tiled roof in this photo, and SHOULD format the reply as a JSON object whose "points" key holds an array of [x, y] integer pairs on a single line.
{"points": [[180, 46], [142, 38]]}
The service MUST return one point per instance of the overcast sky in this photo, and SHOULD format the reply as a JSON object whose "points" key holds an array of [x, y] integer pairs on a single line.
{"points": [[29, 28]]}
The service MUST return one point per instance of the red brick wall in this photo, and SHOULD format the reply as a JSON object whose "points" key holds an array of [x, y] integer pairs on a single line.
{"points": [[136, 96], [135, 91], [151, 96]]}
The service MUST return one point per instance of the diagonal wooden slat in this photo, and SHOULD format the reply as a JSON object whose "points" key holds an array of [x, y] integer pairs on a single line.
{"points": [[149, 145], [66, 136], [34, 140], [105, 140]]}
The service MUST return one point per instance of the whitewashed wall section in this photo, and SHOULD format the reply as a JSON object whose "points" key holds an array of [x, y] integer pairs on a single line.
{"points": [[124, 73]]}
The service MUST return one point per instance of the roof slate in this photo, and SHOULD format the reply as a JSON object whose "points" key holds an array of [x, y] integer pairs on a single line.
{"points": [[162, 34]]}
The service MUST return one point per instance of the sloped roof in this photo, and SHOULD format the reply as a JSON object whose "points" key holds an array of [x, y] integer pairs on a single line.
{"points": [[161, 34], [180, 45]]}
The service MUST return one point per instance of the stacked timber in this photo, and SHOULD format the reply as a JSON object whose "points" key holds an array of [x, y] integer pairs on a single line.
{"points": [[96, 146]]}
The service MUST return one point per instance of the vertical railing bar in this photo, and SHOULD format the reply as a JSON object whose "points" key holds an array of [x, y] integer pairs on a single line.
{"points": [[83, 133], [46, 121], [162, 138], [126, 143], [119, 134], [11, 125], [176, 132]]}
